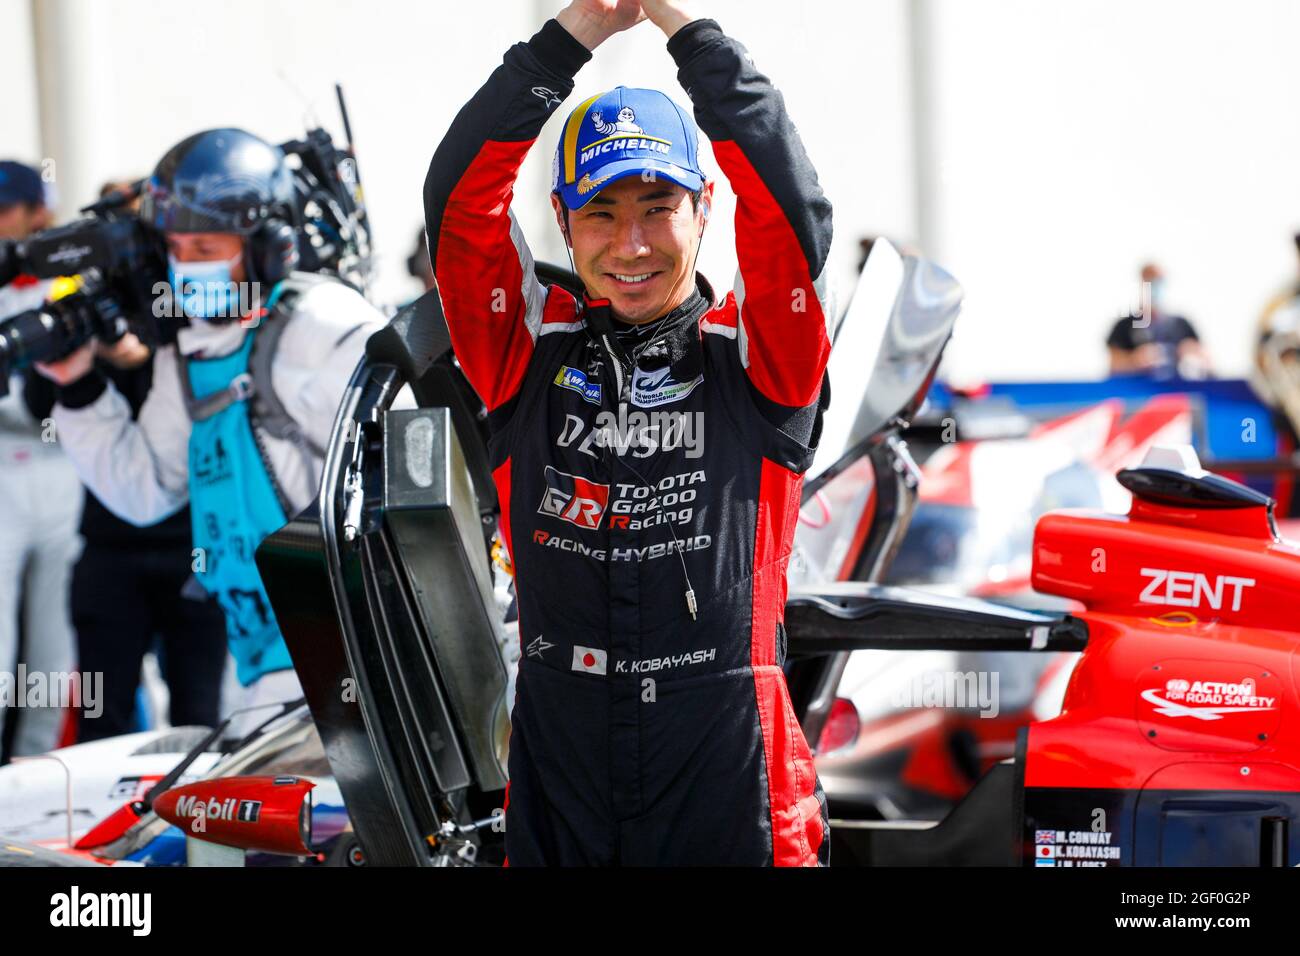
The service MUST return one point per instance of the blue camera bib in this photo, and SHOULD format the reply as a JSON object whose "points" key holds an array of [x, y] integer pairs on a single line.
{"points": [[233, 506]]}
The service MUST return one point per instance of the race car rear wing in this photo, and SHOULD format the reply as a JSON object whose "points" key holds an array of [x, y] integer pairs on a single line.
{"points": [[824, 623], [854, 615]]}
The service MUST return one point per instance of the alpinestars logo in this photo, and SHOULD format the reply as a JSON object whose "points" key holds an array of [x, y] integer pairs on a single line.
{"points": [[547, 96], [575, 500]]}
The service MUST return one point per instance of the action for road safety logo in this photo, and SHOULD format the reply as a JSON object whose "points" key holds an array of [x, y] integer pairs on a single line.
{"points": [[1208, 705], [575, 500], [1207, 699]]}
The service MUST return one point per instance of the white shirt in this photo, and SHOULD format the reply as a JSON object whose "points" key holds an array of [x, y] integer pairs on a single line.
{"points": [[140, 469]]}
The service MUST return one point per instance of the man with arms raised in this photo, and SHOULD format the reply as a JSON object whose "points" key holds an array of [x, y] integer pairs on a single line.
{"points": [[652, 724]]}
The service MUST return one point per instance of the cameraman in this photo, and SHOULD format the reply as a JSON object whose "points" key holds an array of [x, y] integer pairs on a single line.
{"points": [[242, 405], [128, 587], [41, 502]]}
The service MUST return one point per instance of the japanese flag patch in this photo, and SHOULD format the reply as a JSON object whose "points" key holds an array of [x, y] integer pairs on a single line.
{"points": [[589, 660]]}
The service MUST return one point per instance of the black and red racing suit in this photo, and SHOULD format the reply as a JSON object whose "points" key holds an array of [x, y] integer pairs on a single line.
{"points": [[642, 733]]}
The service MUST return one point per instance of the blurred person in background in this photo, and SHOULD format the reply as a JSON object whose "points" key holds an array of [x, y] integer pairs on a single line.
{"points": [[417, 264], [132, 585], [40, 502], [24, 205], [865, 245], [1277, 352], [1154, 342], [1281, 311], [242, 405]]}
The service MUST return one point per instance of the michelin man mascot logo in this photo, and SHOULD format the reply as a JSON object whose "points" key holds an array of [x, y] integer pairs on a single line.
{"points": [[626, 123]]}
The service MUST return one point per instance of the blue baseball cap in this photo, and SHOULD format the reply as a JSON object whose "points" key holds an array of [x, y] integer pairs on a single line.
{"points": [[625, 132], [20, 183]]}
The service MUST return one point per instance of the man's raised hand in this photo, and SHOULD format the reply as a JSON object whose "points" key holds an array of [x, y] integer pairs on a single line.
{"points": [[592, 22], [670, 15]]}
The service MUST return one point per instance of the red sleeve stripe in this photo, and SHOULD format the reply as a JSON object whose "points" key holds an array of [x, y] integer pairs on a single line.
{"points": [[795, 812], [484, 270], [783, 332]]}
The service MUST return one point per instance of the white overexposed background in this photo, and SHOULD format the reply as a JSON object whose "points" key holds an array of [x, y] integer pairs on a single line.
{"points": [[1040, 151]]}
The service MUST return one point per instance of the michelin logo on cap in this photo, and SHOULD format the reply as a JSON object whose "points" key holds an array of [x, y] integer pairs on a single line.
{"points": [[622, 134], [648, 131]]}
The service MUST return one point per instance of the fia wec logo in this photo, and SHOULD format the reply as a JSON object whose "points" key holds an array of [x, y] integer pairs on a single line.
{"points": [[575, 500], [1192, 589], [651, 388]]}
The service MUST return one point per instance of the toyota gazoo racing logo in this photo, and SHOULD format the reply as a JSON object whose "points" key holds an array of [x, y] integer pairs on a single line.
{"points": [[1207, 699], [245, 811], [670, 500], [575, 500]]}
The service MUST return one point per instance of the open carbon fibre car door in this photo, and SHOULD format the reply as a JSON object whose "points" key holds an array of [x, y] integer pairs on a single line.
{"points": [[886, 351], [381, 591]]}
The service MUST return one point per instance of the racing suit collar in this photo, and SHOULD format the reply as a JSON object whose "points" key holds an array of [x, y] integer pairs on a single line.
{"points": [[677, 343]]}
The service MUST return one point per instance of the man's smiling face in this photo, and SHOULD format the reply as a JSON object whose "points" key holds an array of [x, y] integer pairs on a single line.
{"points": [[634, 243]]}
